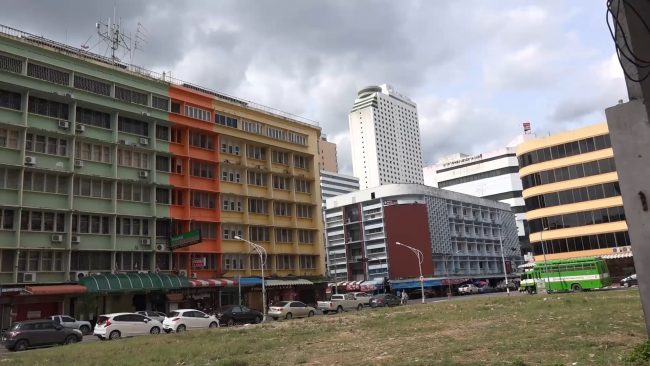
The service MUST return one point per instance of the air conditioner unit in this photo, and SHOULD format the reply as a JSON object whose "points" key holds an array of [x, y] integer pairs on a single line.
{"points": [[78, 163], [29, 277], [57, 238], [64, 124], [194, 275], [182, 272], [143, 174], [30, 160], [122, 142], [144, 141], [145, 241], [78, 275], [146, 114], [80, 128], [75, 239], [161, 247]]}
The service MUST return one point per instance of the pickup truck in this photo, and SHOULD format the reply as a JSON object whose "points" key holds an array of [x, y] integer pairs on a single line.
{"points": [[340, 302], [70, 322]]}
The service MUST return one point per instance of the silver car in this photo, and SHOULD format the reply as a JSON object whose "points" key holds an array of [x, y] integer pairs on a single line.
{"points": [[290, 309]]}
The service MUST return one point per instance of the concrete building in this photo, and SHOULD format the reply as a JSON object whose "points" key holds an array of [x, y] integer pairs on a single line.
{"points": [[385, 132], [109, 168], [492, 175], [459, 235], [328, 158], [573, 201], [334, 184]]}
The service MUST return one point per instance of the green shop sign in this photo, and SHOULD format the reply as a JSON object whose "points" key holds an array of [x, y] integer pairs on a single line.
{"points": [[185, 239]]}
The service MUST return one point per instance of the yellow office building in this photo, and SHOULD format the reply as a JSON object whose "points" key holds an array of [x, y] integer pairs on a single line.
{"points": [[573, 201]]}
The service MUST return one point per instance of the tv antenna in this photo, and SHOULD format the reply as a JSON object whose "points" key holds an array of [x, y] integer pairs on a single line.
{"points": [[113, 36]]}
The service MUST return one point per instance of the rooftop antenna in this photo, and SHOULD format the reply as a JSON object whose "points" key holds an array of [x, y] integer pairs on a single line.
{"points": [[112, 35], [140, 40]]}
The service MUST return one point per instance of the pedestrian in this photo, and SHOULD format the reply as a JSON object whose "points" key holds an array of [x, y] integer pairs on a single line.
{"points": [[405, 297]]}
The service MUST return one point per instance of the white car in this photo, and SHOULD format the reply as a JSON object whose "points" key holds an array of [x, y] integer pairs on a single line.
{"points": [[468, 289], [118, 325], [184, 319], [156, 315]]}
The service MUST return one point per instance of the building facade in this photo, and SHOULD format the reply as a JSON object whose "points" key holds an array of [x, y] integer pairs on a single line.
{"points": [[493, 175], [334, 184], [459, 235], [328, 157], [101, 163], [573, 200], [385, 132]]}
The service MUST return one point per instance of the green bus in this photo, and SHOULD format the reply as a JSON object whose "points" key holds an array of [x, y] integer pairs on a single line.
{"points": [[565, 275]]}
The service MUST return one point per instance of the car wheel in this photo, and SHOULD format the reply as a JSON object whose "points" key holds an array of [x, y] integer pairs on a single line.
{"points": [[626, 284], [230, 322], [21, 345], [359, 307], [168, 331], [70, 339], [339, 310], [180, 329], [258, 319], [576, 287], [288, 316], [115, 335], [155, 330], [85, 330], [311, 313], [213, 325]]}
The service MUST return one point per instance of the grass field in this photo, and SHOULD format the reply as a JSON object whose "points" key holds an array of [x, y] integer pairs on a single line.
{"points": [[594, 328]]}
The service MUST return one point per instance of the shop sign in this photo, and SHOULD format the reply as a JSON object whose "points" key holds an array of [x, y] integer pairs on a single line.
{"points": [[198, 262], [185, 239]]}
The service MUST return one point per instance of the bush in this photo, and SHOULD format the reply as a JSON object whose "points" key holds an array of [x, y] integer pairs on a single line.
{"points": [[640, 355]]}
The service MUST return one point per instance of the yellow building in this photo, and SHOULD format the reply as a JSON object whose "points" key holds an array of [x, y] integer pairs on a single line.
{"points": [[573, 201]]}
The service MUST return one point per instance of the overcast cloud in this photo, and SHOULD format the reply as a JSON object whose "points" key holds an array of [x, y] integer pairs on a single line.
{"points": [[477, 69]]}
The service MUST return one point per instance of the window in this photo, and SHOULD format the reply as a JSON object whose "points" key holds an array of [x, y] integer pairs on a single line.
{"points": [[281, 182], [8, 138], [93, 187], [197, 113], [132, 226], [280, 157], [162, 132], [131, 96], [202, 199], [284, 262], [565, 150], [130, 125], [92, 152], [229, 174], [136, 192], [93, 118], [253, 127], [9, 99], [259, 233], [176, 107], [225, 120], [7, 219], [256, 178], [201, 140], [257, 206], [229, 147], [43, 182], [11, 64], [303, 211], [256, 152], [48, 108], [208, 229], [283, 235], [230, 231], [48, 74], [305, 236], [177, 197], [46, 145], [307, 262], [92, 85], [163, 196], [234, 262], [177, 135], [303, 186], [297, 138], [282, 208], [231, 203], [162, 163], [276, 133], [159, 102], [300, 162], [42, 221], [132, 159], [202, 169]]}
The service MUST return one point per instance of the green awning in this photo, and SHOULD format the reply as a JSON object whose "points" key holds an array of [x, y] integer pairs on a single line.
{"points": [[124, 282]]}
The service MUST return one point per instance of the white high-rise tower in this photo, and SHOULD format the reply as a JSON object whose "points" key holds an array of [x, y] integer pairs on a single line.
{"points": [[385, 138]]}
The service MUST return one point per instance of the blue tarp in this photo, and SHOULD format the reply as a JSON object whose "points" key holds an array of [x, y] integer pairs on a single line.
{"points": [[414, 284], [250, 281]]}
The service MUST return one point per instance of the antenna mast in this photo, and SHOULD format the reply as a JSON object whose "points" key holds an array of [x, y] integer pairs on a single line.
{"points": [[110, 33]]}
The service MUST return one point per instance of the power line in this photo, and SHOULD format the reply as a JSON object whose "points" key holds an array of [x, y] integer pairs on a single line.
{"points": [[623, 48]]}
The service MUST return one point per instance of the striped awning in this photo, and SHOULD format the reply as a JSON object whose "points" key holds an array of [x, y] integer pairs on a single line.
{"points": [[296, 282], [124, 282], [213, 282], [617, 255]]}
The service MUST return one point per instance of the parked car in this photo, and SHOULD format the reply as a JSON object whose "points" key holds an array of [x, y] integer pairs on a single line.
{"points": [[184, 319], [362, 296], [155, 315], [382, 300], [236, 314], [69, 322], [629, 281], [488, 289], [290, 309], [39, 333], [340, 302], [468, 289], [118, 325]]}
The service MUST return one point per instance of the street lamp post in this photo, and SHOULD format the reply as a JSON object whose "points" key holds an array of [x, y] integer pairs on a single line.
{"points": [[503, 260], [380, 259], [541, 239], [262, 253], [420, 256], [446, 257]]}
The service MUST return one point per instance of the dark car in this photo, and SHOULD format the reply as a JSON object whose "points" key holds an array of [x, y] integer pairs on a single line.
{"points": [[384, 300], [39, 333], [629, 281], [236, 314]]}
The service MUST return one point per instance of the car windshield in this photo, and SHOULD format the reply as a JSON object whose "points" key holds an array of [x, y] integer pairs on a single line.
{"points": [[173, 314], [15, 326], [281, 304], [102, 319]]}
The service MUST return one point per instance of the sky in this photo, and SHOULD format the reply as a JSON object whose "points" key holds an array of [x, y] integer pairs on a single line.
{"points": [[476, 69]]}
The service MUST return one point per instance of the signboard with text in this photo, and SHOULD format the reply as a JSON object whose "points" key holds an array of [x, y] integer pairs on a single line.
{"points": [[185, 239]]}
